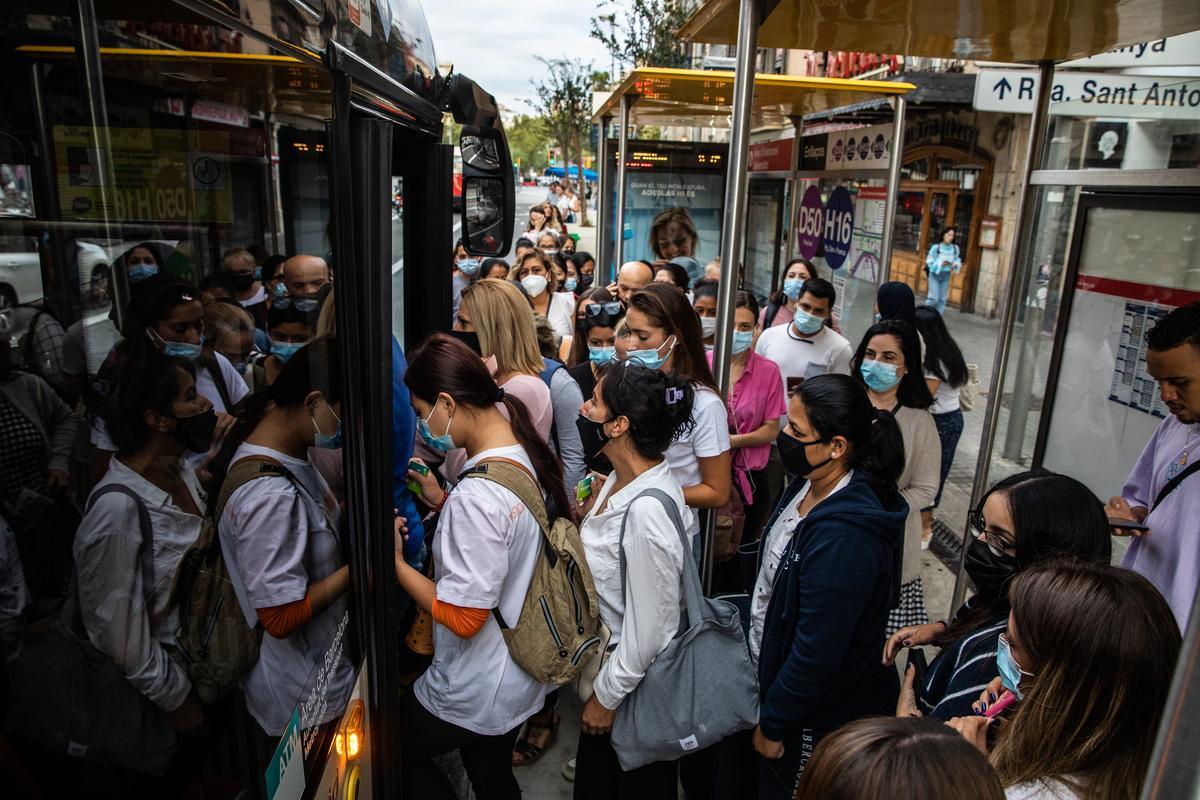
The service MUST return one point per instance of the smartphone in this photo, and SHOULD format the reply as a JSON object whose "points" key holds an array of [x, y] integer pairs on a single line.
{"points": [[1128, 524], [583, 489], [416, 466], [916, 658]]}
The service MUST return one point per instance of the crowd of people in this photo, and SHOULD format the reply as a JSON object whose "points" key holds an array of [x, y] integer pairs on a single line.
{"points": [[565, 424]]}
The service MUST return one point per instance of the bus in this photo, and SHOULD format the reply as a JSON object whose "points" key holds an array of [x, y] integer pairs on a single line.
{"points": [[188, 129]]}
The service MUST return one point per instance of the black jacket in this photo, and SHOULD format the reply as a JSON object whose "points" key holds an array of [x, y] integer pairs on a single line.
{"points": [[820, 661]]}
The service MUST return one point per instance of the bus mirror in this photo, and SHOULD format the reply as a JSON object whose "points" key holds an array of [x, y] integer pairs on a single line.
{"points": [[483, 216], [480, 153]]}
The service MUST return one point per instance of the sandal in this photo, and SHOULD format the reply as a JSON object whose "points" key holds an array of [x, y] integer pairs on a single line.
{"points": [[525, 752]]}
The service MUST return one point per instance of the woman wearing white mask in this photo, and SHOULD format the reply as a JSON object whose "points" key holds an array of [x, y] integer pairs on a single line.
{"points": [[536, 276]]}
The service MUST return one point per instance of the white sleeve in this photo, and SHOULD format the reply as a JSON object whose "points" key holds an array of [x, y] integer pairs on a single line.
{"points": [[842, 356], [266, 531], [653, 555], [233, 381], [710, 437], [472, 543]]}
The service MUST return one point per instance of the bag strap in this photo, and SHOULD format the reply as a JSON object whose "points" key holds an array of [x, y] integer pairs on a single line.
{"points": [[213, 366], [1173, 484], [772, 312], [146, 546], [244, 471], [691, 578]]}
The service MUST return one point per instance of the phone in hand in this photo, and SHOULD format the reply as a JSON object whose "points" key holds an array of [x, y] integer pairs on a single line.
{"points": [[416, 466], [583, 489], [916, 659], [1128, 524]]}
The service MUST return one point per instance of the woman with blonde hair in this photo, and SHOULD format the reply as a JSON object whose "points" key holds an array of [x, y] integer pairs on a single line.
{"points": [[229, 330], [672, 233]]}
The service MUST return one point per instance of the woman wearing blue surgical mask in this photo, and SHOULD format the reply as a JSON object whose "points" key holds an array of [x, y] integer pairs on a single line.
{"points": [[142, 262], [888, 364], [781, 307], [1090, 652], [290, 328], [279, 534]]}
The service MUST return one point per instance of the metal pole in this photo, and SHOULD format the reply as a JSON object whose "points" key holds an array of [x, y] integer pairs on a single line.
{"points": [[733, 223], [1022, 246], [889, 210], [797, 159], [623, 157], [603, 252]]}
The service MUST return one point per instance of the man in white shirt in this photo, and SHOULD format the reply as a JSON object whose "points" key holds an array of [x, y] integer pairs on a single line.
{"points": [[805, 347]]}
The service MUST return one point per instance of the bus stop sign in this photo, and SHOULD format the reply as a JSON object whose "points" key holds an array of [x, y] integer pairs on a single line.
{"points": [[810, 222], [839, 227]]}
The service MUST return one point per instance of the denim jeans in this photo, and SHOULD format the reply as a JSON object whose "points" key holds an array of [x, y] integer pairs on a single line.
{"points": [[949, 428], [939, 291]]}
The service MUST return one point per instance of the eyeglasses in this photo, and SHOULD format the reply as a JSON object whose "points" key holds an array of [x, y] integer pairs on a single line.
{"points": [[994, 541], [301, 303], [596, 309]]}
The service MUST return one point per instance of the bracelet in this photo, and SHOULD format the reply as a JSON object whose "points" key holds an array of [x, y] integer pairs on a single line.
{"points": [[442, 502]]}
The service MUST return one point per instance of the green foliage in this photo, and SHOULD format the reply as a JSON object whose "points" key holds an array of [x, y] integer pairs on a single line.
{"points": [[644, 35], [528, 139], [564, 101]]}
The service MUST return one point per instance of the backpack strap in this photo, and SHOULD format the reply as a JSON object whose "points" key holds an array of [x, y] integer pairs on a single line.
{"points": [[772, 312], [1173, 484], [244, 471], [146, 546], [213, 366]]}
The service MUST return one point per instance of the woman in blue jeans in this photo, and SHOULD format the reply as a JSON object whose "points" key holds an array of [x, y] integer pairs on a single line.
{"points": [[943, 261], [945, 372]]}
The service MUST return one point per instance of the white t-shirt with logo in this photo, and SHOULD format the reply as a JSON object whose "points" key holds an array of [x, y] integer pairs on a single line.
{"points": [[485, 551], [824, 353], [709, 437]]}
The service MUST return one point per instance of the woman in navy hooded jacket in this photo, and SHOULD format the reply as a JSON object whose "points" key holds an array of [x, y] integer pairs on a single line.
{"points": [[829, 573]]}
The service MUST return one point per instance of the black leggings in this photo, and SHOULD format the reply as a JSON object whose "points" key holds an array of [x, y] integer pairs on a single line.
{"points": [[598, 774], [487, 759]]}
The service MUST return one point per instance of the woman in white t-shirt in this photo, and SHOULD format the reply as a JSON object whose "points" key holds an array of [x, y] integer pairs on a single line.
{"points": [[662, 332], [474, 697], [535, 273], [278, 534], [632, 417]]}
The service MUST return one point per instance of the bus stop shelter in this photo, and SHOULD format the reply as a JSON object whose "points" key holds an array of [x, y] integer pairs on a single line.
{"points": [[1031, 32]]}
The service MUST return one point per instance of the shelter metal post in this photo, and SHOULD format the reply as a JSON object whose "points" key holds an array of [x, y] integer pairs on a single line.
{"points": [[622, 159], [603, 240], [1017, 268], [797, 158], [893, 190], [733, 224], [1174, 769]]}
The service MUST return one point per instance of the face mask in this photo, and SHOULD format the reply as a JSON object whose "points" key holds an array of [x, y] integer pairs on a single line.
{"points": [[879, 377], [440, 444], [284, 350], [651, 359], [569, 284], [140, 272], [196, 432], [327, 442], [585, 281], [241, 280], [794, 454], [257, 273], [708, 326], [742, 341], [176, 349], [534, 284], [470, 339], [1010, 672], [989, 571], [591, 436], [602, 355], [551, 252], [806, 324], [791, 288], [469, 267], [280, 290]]}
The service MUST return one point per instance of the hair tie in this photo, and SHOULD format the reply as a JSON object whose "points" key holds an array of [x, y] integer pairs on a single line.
{"points": [[500, 395], [674, 395]]}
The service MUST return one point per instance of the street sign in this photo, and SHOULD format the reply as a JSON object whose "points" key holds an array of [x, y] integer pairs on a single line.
{"points": [[1174, 51], [1086, 94], [839, 227]]}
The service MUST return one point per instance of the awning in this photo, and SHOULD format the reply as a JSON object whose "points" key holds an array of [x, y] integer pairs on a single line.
{"points": [[558, 172], [934, 89], [702, 98], [987, 30]]}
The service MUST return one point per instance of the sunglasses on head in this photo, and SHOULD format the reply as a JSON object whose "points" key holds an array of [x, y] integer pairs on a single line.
{"points": [[596, 309]]}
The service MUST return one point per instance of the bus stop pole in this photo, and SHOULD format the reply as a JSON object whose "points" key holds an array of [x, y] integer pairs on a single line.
{"points": [[893, 191], [603, 252], [623, 159], [1039, 127], [794, 195], [733, 223]]}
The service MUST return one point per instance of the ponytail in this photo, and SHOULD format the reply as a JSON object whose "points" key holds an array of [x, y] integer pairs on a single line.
{"points": [[546, 465], [837, 405], [883, 457]]}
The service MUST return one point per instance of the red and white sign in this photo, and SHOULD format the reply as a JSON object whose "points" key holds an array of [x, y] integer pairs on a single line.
{"points": [[771, 156]]}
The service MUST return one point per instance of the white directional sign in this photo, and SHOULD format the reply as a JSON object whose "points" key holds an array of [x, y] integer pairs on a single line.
{"points": [[1174, 51], [1088, 94]]}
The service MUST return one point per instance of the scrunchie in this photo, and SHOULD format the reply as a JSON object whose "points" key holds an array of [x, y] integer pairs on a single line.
{"points": [[500, 395]]}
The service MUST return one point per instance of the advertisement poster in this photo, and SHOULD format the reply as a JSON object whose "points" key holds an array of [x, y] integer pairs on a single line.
{"points": [[680, 204]]}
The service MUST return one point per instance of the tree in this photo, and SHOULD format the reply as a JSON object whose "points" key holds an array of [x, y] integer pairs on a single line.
{"points": [[564, 101], [644, 36], [528, 139]]}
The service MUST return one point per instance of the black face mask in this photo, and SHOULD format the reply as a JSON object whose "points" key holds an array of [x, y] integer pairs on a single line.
{"points": [[196, 432], [591, 436], [241, 280], [794, 454], [585, 282], [470, 339], [990, 572]]}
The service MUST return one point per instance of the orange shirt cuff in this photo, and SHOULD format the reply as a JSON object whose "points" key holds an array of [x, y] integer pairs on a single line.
{"points": [[462, 622]]}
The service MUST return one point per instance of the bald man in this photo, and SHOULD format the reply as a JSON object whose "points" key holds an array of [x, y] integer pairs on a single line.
{"points": [[632, 276], [305, 276]]}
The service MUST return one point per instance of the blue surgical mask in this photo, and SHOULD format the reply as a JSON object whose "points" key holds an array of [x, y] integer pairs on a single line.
{"points": [[327, 441], [1010, 671], [652, 359], [791, 288], [742, 341], [440, 444], [602, 355], [258, 273], [140, 272], [176, 349], [284, 350], [806, 324], [569, 284], [879, 377], [280, 290], [469, 266]]}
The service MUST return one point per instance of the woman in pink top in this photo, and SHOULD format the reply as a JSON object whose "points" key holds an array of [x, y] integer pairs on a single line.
{"points": [[756, 404], [782, 304]]}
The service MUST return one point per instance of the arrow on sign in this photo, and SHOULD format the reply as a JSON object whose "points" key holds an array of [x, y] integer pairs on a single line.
{"points": [[1002, 86]]}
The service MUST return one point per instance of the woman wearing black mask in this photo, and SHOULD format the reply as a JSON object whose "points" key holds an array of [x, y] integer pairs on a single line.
{"points": [[1022, 520], [829, 572]]}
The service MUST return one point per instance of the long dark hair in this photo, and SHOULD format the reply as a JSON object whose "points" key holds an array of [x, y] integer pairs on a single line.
{"points": [[942, 356], [152, 301], [913, 392], [777, 297], [657, 404], [443, 364], [668, 308], [1053, 515], [148, 381], [836, 405]]}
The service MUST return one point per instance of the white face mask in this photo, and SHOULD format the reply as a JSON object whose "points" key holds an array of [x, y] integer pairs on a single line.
{"points": [[708, 326], [534, 284]]}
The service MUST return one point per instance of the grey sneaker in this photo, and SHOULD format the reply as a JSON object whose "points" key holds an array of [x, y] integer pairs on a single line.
{"points": [[568, 770]]}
